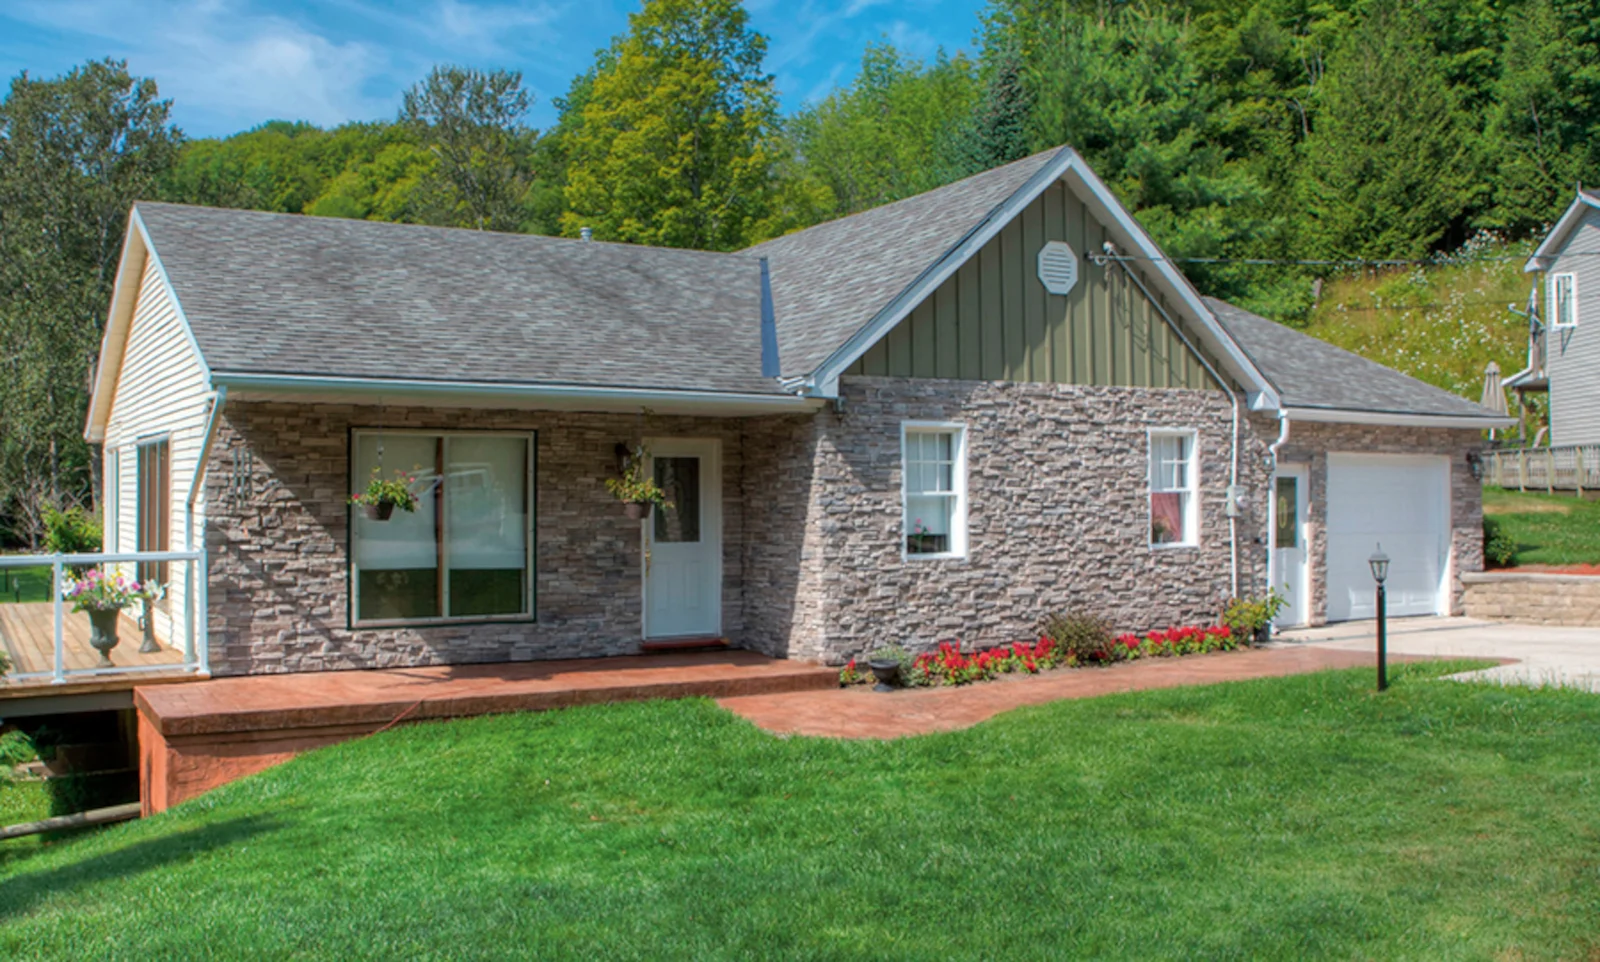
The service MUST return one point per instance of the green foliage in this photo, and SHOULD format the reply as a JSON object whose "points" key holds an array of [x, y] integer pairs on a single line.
{"points": [[16, 748], [75, 153], [1081, 636], [471, 122], [396, 491], [672, 143], [73, 531], [1499, 551], [634, 485], [1247, 616]]}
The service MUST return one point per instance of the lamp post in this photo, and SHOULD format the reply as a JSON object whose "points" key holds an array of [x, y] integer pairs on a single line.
{"points": [[1379, 563]]}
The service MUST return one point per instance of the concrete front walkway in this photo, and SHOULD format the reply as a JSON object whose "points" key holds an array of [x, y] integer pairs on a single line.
{"points": [[1543, 655], [862, 713]]}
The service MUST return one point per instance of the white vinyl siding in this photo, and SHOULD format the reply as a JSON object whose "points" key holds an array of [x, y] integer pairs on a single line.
{"points": [[160, 391], [1573, 353]]}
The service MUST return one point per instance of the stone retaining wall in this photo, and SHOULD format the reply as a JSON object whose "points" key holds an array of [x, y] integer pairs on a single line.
{"points": [[1534, 598]]}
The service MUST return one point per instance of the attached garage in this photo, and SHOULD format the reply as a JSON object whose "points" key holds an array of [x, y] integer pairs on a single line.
{"points": [[1403, 503]]}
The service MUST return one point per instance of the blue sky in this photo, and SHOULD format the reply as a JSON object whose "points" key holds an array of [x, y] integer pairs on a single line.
{"points": [[232, 64]]}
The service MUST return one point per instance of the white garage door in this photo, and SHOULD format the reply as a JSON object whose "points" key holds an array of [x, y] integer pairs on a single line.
{"points": [[1403, 503]]}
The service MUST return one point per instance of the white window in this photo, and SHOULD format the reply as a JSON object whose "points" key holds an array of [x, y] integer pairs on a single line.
{"points": [[1564, 300], [934, 490], [1174, 478], [466, 551]]}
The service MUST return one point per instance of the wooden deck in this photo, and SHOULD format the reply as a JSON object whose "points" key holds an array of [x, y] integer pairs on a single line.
{"points": [[27, 632]]}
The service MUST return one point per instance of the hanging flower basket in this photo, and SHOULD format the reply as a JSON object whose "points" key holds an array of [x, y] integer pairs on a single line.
{"points": [[637, 491], [382, 497]]}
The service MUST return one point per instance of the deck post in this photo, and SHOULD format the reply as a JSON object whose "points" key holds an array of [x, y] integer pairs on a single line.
{"points": [[60, 675]]}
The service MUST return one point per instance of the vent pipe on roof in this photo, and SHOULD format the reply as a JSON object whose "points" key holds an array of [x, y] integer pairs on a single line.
{"points": [[586, 233]]}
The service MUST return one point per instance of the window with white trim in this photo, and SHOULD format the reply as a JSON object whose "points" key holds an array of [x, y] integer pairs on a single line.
{"points": [[935, 490], [1174, 477], [467, 549], [1564, 300]]}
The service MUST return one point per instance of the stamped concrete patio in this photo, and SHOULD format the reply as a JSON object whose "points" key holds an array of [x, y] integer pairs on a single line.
{"points": [[863, 713]]}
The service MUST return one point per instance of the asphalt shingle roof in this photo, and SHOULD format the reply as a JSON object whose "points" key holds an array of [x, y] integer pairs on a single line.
{"points": [[289, 294], [1313, 373], [828, 281]]}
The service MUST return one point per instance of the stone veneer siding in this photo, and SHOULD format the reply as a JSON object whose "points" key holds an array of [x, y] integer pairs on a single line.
{"points": [[1058, 516], [278, 539], [1310, 442]]}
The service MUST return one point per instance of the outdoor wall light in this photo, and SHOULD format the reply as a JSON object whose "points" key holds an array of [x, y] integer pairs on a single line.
{"points": [[1379, 563], [1475, 465]]}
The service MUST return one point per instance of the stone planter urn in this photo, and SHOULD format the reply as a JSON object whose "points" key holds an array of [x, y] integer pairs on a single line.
{"points": [[636, 510], [103, 632], [382, 511], [886, 671]]}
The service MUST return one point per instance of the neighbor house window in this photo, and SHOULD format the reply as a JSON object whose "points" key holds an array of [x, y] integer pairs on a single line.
{"points": [[154, 505], [465, 552], [1564, 300], [1172, 488], [935, 510]]}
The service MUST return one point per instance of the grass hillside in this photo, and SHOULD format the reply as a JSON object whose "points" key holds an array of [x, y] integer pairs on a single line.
{"points": [[1294, 818], [1441, 324]]}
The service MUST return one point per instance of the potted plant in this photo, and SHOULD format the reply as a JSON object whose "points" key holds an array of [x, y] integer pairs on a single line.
{"points": [[1251, 618], [383, 496], [885, 663], [637, 491], [102, 597]]}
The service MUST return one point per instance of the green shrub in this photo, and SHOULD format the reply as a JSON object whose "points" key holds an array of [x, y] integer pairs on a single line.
{"points": [[1499, 550], [1080, 636], [73, 531], [1247, 616], [15, 749]]}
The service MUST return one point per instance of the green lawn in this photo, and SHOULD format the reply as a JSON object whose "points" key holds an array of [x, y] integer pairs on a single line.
{"points": [[1549, 529], [24, 584], [1294, 818]]}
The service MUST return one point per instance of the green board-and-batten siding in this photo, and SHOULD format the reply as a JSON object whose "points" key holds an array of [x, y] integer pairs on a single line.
{"points": [[994, 321]]}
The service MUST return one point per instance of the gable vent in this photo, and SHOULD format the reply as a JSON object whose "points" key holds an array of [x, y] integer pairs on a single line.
{"points": [[1058, 267]]}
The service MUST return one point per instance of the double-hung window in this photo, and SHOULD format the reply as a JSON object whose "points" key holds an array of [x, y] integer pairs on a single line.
{"points": [[466, 552], [153, 500], [1173, 482], [934, 497], [1563, 300]]}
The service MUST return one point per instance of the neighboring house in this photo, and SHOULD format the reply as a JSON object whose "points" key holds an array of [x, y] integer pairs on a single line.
{"points": [[1564, 356], [941, 418]]}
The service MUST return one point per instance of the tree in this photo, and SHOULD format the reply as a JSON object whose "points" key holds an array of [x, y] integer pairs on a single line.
{"points": [[889, 134], [75, 153], [672, 143], [999, 130], [1388, 170], [472, 122]]}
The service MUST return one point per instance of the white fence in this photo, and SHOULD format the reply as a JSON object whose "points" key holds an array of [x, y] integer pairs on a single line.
{"points": [[179, 617], [1570, 468]]}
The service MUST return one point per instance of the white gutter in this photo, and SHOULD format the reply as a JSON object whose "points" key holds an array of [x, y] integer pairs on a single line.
{"points": [[196, 598], [569, 396], [1396, 419]]}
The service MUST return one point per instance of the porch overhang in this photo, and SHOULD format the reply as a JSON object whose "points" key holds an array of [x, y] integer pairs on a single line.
{"points": [[252, 386]]}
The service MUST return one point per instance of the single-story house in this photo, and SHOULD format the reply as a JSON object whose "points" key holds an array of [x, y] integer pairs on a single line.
{"points": [[941, 418], [1564, 356]]}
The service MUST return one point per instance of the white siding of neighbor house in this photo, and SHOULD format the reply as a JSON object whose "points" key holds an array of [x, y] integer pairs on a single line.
{"points": [[1573, 359], [160, 391]]}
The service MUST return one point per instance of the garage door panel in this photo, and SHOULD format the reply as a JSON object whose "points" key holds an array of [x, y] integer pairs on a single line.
{"points": [[1401, 502]]}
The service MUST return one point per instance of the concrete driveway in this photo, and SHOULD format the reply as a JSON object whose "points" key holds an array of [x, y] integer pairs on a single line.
{"points": [[1544, 655]]}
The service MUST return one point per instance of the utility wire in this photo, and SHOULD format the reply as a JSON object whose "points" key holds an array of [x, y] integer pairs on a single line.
{"points": [[1308, 262]]}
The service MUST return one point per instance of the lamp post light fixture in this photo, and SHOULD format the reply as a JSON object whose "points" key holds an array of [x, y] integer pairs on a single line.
{"points": [[1475, 465], [1379, 563]]}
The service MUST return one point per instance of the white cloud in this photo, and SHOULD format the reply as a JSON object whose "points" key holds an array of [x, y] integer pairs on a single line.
{"points": [[223, 60]]}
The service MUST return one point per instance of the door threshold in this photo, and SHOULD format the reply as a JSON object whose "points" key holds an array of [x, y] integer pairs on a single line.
{"points": [[695, 643]]}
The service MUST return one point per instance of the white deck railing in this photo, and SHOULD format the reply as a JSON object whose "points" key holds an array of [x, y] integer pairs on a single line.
{"points": [[1570, 468], [182, 613]]}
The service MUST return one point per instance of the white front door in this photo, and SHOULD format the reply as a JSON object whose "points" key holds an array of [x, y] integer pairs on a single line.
{"points": [[1288, 551], [683, 543]]}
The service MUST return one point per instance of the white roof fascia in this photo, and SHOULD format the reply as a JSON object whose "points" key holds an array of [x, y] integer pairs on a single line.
{"points": [[1550, 247], [1398, 418]]}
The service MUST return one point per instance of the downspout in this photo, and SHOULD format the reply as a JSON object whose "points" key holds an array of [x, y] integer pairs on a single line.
{"points": [[195, 600], [1112, 256]]}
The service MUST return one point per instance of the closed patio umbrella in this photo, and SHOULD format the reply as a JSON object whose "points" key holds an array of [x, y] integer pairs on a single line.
{"points": [[1494, 395]]}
